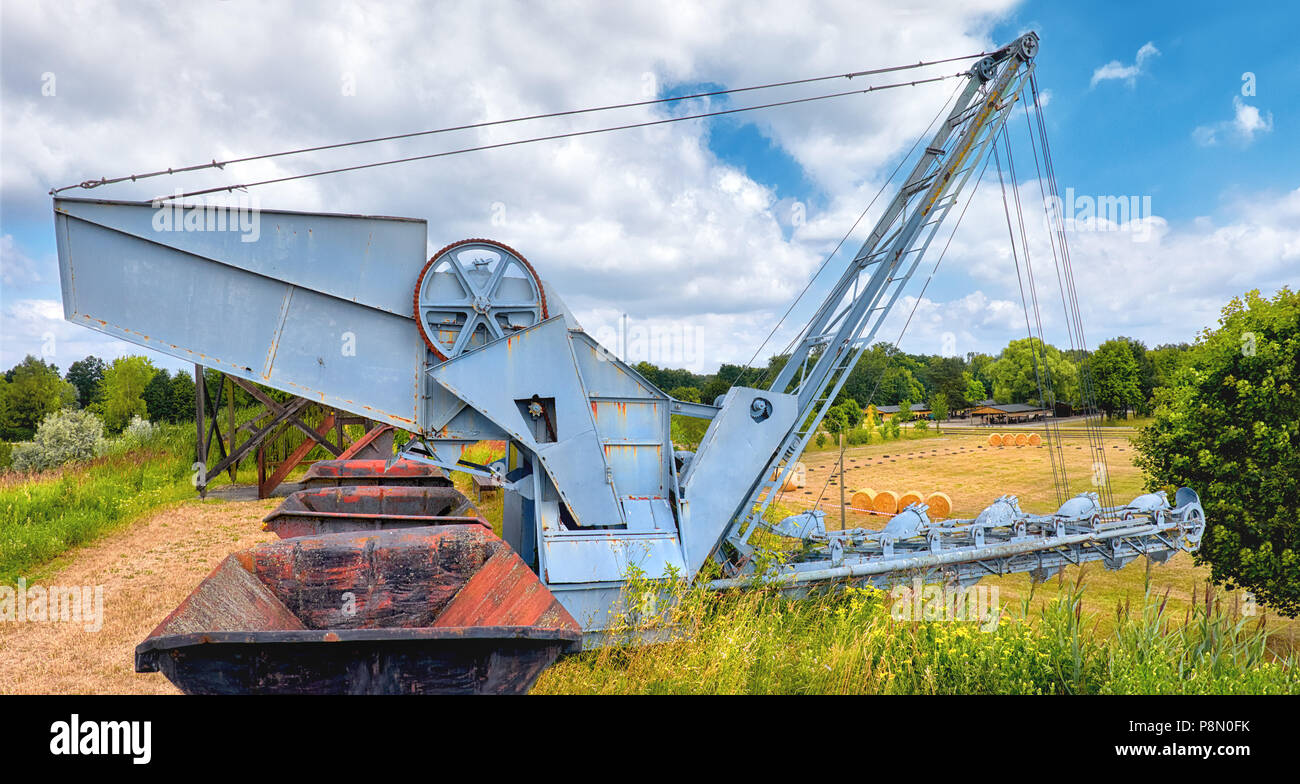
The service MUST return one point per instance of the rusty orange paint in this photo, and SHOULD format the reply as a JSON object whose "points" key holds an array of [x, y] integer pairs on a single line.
{"points": [[505, 592], [425, 586]]}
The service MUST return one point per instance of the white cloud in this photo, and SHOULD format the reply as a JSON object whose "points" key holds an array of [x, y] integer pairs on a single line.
{"points": [[37, 327], [1142, 277], [954, 327], [16, 268], [1247, 121], [1126, 73]]}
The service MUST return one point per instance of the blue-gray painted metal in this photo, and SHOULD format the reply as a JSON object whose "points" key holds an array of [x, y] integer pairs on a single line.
{"points": [[735, 449], [310, 306], [964, 551]]}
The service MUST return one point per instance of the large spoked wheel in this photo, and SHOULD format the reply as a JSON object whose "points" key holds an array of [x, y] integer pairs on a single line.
{"points": [[473, 292]]}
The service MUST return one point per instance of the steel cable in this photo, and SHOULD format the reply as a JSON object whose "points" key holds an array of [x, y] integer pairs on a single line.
{"points": [[88, 184]]}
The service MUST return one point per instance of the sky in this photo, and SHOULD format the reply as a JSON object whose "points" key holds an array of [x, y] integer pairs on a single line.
{"points": [[702, 233]]}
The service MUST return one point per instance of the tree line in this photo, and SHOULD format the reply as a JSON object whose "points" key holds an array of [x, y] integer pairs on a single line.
{"points": [[114, 391], [1124, 376]]}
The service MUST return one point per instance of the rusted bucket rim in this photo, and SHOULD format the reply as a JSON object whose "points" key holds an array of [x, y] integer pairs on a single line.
{"points": [[431, 519], [372, 467], [449, 633], [148, 652]]}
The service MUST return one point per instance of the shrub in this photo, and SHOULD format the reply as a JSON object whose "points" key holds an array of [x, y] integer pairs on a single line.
{"points": [[921, 426], [859, 436], [139, 431], [836, 421], [62, 437], [820, 440], [688, 394]]}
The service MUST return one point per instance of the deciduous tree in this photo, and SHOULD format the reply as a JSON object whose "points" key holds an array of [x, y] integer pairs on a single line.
{"points": [[1025, 364], [157, 396], [124, 384], [1229, 428], [939, 407], [1115, 379], [33, 391], [86, 375]]}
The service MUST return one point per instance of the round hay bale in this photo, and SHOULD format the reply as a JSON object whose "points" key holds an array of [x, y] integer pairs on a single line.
{"points": [[940, 505], [863, 499], [910, 497], [797, 478], [1035, 439], [995, 440], [1021, 439], [886, 502]]}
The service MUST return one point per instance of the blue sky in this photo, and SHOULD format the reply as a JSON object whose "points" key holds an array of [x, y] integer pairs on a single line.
{"points": [[1122, 136], [1145, 100], [1139, 137]]}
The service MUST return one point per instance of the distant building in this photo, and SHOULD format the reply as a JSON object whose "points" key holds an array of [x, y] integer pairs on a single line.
{"points": [[990, 413]]}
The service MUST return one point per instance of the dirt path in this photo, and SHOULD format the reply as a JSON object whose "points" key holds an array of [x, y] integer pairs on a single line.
{"points": [[146, 569]]}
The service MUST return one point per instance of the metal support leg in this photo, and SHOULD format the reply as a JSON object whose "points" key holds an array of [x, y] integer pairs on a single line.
{"points": [[200, 444]]}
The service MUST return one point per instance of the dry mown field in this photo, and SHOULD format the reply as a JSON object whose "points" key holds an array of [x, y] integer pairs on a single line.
{"points": [[965, 467], [973, 474]]}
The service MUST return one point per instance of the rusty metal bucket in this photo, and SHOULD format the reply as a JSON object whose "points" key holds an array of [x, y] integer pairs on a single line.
{"points": [[403, 473], [369, 508], [450, 610]]}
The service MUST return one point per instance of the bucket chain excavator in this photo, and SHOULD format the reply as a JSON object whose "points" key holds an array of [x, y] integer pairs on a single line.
{"points": [[472, 344]]}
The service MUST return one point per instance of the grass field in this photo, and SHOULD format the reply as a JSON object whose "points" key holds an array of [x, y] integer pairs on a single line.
{"points": [[43, 516], [757, 642], [965, 467], [1132, 422]]}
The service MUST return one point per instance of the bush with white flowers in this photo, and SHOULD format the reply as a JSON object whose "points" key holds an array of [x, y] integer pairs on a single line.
{"points": [[62, 437]]}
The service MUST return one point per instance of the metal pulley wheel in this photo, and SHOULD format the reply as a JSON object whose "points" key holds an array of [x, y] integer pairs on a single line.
{"points": [[473, 292]]}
